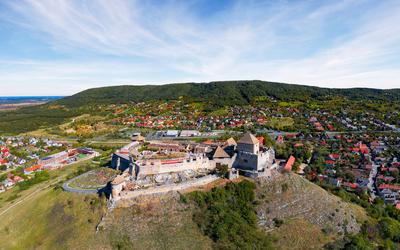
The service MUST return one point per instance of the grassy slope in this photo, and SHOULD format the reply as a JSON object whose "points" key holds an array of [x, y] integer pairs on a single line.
{"points": [[156, 223], [26, 222], [299, 234], [52, 218]]}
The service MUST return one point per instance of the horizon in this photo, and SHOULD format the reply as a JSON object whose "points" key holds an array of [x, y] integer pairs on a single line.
{"points": [[335, 44]]}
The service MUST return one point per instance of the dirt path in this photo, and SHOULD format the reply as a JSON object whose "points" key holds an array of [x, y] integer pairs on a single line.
{"points": [[30, 195]]}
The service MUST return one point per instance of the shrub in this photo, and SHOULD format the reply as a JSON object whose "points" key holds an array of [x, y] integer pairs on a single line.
{"points": [[227, 216]]}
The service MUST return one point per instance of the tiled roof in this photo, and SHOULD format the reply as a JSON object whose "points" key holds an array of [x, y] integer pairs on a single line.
{"points": [[220, 153], [248, 138]]}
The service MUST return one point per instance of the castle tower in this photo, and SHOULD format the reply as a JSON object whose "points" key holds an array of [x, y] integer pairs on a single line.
{"points": [[248, 143]]}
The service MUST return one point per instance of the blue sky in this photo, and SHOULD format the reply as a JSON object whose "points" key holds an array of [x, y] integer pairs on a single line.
{"points": [[54, 47]]}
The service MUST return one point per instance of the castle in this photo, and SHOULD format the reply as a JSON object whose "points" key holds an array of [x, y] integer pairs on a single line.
{"points": [[154, 165]]}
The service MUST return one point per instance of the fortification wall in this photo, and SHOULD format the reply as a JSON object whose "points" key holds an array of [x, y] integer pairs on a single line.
{"points": [[157, 168], [127, 195]]}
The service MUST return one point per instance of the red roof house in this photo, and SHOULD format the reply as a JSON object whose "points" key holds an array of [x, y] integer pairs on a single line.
{"points": [[289, 164]]}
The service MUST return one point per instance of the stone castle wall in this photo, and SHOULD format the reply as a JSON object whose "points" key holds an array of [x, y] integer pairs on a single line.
{"points": [[158, 168], [126, 195]]}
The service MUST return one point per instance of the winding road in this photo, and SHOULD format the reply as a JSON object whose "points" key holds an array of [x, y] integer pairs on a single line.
{"points": [[67, 187]]}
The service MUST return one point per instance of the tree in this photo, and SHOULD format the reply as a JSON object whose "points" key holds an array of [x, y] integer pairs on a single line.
{"points": [[390, 229], [358, 242], [222, 169]]}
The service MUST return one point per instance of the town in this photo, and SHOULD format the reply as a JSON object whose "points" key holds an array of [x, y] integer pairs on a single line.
{"points": [[361, 163], [21, 158]]}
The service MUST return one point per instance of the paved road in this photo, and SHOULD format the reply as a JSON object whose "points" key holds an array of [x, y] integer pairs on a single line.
{"points": [[67, 188], [371, 184]]}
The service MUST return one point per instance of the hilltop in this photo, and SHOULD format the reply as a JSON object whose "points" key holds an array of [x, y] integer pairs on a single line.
{"points": [[219, 93], [168, 221]]}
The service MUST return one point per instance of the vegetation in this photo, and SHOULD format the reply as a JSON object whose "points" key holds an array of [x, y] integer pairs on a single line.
{"points": [[219, 93], [227, 215], [37, 178], [382, 229], [212, 98]]}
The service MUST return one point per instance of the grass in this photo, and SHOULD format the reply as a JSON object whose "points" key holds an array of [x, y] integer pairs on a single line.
{"points": [[52, 219], [155, 223], [45, 217], [299, 234], [280, 123], [14, 195]]}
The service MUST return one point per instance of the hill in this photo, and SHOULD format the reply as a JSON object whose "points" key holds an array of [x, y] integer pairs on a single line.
{"points": [[311, 216], [170, 222], [212, 96], [220, 93]]}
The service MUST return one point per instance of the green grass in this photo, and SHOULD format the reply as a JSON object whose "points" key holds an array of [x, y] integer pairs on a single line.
{"points": [[16, 194], [299, 234], [51, 219], [280, 123], [45, 217]]}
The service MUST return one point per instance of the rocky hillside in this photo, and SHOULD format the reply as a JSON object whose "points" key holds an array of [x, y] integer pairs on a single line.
{"points": [[154, 222], [300, 213], [290, 212], [294, 212]]}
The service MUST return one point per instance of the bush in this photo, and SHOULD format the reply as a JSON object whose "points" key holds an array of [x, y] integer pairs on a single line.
{"points": [[227, 216], [222, 169], [390, 229], [38, 178]]}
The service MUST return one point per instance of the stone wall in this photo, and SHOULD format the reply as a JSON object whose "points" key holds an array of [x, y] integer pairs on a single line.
{"points": [[158, 168], [126, 195]]}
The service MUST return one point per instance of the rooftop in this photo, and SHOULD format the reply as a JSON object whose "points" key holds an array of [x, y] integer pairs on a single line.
{"points": [[248, 138]]}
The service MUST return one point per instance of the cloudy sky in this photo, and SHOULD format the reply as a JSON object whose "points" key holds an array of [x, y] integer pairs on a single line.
{"points": [[55, 47]]}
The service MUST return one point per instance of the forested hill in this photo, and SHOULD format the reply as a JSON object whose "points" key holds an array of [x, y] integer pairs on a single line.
{"points": [[213, 95], [220, 93]]}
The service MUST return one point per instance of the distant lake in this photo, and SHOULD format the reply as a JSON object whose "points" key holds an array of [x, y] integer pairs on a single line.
{"points": [[23, 99]]}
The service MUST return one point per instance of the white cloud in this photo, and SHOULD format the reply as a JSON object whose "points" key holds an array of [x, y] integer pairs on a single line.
{"points": [[169, 42]]}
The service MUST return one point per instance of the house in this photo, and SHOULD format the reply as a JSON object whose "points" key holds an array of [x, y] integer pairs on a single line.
{"points": [[32, 169], [350, 185], [289, 164], [54, 159], [189, 133], [8, 183], [17, 179], [171, 133], [389, 195]]}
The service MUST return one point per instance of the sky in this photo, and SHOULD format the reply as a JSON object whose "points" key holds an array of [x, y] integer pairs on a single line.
{"points": [[56, 47]]}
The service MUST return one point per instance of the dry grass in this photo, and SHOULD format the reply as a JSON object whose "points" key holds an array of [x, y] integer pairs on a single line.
{"points": [[52, 219], [299, 234], [156, 222], [291, 197]]}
